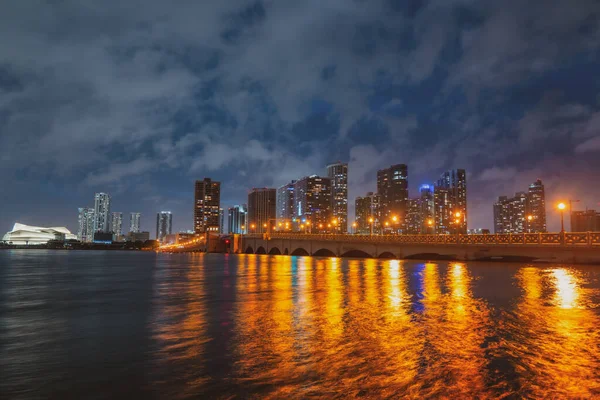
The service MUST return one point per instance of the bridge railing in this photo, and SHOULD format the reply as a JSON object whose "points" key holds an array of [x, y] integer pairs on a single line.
{"points": [[543, 239]]}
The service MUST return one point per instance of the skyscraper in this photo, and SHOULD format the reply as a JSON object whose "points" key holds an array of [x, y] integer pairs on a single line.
{"points": [[537, 207], [285, 203], [338, 173], [450, 197], [312, 205], [525, 212], [392, 187], [85, 233], [236, 219], [116, 223], [164, 223], [262, 210], [585, 221], [102, 212], [510, 214], [134, 222], [427, 205], [414, 218], [207, 201], [367, 213]]}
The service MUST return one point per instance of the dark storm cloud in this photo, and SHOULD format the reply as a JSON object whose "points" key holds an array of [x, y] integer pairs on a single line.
{"points": [[138, 98]]}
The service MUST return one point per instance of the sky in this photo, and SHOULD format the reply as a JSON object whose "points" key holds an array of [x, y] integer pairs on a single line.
{"points": [[139, 98]]}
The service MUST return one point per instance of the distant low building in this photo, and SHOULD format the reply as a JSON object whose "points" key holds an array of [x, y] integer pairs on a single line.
{"points": [[103, 237], [138, 236], [25, 235], [177, 238]]}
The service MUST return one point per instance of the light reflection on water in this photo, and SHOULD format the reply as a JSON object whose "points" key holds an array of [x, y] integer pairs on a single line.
{"points": [[177, 326]]}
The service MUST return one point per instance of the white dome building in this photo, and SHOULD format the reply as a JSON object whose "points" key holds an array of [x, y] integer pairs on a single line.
{"points": [[23, 235]]}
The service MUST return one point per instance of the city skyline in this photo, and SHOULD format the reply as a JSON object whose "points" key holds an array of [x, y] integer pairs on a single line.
{"points": [[433, 85]]}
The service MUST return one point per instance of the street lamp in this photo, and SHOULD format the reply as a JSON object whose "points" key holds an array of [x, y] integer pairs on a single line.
{"points": [[371, 224], [430, 224], [354, 227], [529, 219], [561, 207]]}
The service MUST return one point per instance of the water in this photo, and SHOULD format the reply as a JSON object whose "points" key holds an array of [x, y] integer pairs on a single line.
{"points": [[112, 325]]}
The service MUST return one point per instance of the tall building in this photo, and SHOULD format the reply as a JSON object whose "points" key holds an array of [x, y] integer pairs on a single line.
{"points": [[338, 174], [221, 221], [367, 213], [414, 218], [207, 201], [102, 212], [164, 224], [116, 223], [427, 205], [134, 222], [537, 206], [236, 219], [585, 221], [392, 187], [285, 203], [312, 204], [85, 233], [450, 199], [525, 212], [262, 210], [510, 214]]}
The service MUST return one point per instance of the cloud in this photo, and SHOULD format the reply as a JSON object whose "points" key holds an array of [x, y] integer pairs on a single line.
{"points": [[590, 145], [497, 174], [118, 172]]}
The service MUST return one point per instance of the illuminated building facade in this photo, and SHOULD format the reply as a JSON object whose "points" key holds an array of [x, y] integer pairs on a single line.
{"points": [[392, 187], [450, 202], [367, 212], [164, 224], [102, 212], [207, 201], [236, 219], [312, 205], [134, 222], [85, 232], [262, 210], [338, 174]]}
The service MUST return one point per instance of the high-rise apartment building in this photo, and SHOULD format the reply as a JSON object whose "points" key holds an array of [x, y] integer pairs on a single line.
{"points": [[525, 212], [414, 218], [338, 174], [262, 210], [85, 233], [116, 223], [312, 205], [102, 212], [134, 222], [236, 219], [285, 203], [221, 221], [537, 207], [207, 201], [164, 224], [510, 214], [367, 214], [392, 187], [585, 221], [427, 204], [450, 200]]}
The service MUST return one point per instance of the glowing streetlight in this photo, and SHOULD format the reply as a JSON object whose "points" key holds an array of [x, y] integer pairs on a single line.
{"points": [[561, 207]]}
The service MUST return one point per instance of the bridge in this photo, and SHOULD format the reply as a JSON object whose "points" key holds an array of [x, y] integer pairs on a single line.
{"points": [[564, 247]]}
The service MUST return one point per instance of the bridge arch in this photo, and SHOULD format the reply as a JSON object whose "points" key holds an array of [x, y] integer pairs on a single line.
{"points": [[275, 251], [387, 255], [249, 250], [261, 250], [356, 254], [324, 253], [300, 252]]}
